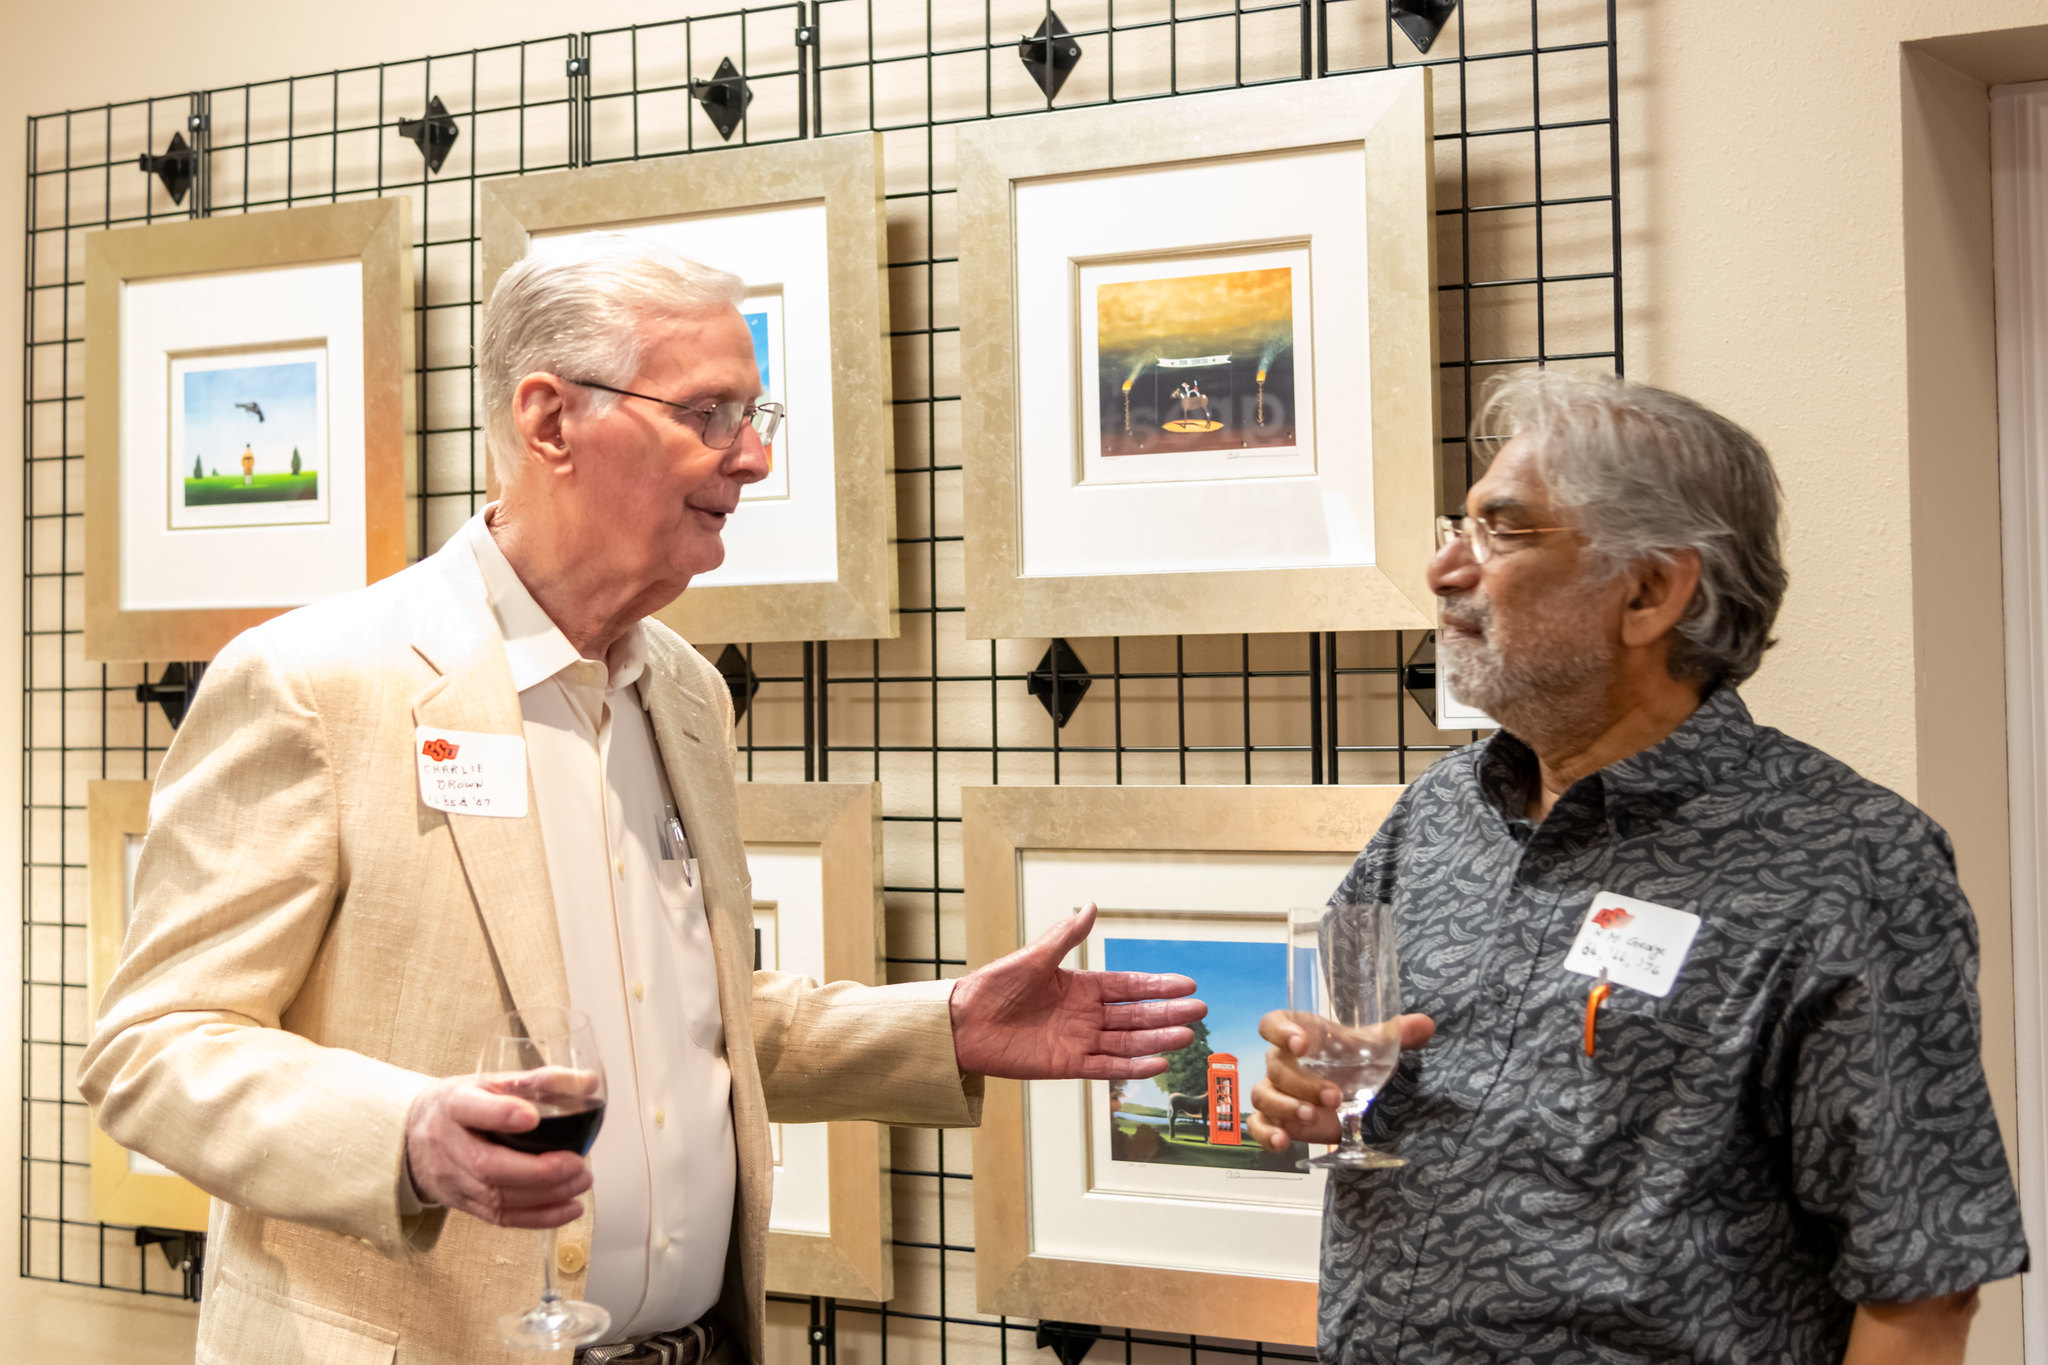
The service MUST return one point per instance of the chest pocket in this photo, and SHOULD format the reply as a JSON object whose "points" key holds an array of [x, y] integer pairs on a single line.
{"points": [[1647, 1101], [682, 901]]}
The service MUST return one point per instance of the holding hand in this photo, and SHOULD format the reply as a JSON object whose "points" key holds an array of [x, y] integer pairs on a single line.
{"points": [[1293, 1104], [1026, 1017], [452, 1164]]}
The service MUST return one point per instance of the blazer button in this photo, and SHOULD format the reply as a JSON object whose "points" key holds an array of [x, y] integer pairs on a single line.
{"points": [[571, 1257]]}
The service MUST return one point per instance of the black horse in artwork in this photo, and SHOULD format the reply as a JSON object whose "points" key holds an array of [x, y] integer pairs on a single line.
{"points": [[1191, 1106]]}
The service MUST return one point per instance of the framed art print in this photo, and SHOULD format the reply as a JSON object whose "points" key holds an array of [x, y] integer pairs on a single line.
{"points": [[1146, 1203], [808, 553], [1200, 373], [814, 851], [126, 1186], [246, 421]]}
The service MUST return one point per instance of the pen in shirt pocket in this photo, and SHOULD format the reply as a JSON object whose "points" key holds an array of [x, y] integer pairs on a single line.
{"points": [[675, 846]]}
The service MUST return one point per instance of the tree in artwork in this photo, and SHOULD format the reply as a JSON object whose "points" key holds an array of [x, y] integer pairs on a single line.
{"points": [[295, 459], [1187, 1071]]}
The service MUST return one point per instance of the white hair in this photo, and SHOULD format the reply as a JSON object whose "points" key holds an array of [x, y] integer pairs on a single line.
{"points": [[577, 312], [1644, 473]]}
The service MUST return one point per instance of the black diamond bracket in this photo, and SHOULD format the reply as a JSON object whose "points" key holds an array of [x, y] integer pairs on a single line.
{"points": [[1068, 1341], [434, 135], [739, 680], [186, 1252], [1059, 682], [724, 97], [174, 691], [1418, 676], [175, 167], [1422, 20], [1049, 54]]}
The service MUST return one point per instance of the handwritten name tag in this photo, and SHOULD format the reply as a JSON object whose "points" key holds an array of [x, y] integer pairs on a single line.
{"points": [[467, 773], [1642, 945]]}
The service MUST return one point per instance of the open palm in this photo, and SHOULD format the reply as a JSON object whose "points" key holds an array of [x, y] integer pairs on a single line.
{"points": [[1026, 1017]]}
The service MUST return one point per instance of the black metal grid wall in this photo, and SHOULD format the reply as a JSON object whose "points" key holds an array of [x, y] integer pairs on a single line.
{"points": [[1529, 266]]}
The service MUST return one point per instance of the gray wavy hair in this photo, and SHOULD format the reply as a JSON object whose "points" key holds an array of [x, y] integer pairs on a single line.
{"points": [[1643, 473], [577, 312]]}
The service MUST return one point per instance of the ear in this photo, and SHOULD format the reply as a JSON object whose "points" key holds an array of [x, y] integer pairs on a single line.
{"points": [[539, 406], [1659, 593]]}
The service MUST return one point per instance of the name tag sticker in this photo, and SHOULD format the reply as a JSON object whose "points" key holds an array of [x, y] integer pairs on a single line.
{"points": [[1640, 944], [466, 773]]}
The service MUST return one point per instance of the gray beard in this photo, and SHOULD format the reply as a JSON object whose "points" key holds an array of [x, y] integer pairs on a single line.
{"points": [[1549, 692]]}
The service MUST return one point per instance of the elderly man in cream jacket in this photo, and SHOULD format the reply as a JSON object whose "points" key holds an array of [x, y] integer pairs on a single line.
{"points": [[324, 935]]}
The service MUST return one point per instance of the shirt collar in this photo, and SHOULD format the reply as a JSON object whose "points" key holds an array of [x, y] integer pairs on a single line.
{"points": [[1712, 742], [535, 647]]}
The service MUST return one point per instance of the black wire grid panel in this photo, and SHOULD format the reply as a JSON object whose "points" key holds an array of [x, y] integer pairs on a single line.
{"points": [[1529, 264]]}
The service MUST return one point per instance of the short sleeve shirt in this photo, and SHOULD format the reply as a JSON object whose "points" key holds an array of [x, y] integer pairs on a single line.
{"points": [[1802, 1124]]}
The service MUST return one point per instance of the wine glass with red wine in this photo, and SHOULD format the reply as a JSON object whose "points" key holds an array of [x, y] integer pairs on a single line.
{"points": [[548, 1055]]}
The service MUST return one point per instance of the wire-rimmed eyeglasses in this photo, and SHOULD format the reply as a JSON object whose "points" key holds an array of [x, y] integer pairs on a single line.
{"points": [[721, 421], [1482, 537]]}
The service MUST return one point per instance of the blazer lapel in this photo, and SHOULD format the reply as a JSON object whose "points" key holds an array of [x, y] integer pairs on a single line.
{"points": [[694, 771], [505, 861]]}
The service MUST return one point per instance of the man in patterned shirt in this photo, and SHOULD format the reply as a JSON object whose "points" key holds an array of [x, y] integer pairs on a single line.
{"points": [[1789, 1155]]}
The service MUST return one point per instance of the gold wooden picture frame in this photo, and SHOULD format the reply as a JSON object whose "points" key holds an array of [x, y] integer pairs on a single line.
{"points": [[253, 287], [838, 824], [1062, 540], [708, 206], [1275, 846], [125, 1188]]}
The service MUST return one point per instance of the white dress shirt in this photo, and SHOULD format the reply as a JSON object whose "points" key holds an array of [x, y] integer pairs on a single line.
{"points": [[630, 910]]}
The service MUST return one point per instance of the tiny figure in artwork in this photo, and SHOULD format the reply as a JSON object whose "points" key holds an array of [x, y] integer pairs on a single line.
{"points": [[1194, 408], [248, 466]]}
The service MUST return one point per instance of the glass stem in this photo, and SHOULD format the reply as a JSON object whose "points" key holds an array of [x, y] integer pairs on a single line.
{"points": [[549, 1296], [1354, 1127]]}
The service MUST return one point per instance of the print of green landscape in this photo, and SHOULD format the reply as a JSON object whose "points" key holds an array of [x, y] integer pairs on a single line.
{"points": [[251, 435], [1165, 1119]]}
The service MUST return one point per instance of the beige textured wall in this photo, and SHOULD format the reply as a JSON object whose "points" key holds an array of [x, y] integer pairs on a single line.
{"points": [[1767, 186]]}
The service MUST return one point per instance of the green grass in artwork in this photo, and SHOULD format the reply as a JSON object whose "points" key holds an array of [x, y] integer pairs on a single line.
{"points": [[227, 489], [1146, 1142]]}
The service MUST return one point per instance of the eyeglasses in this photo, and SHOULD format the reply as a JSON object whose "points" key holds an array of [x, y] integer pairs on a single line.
{"points": [[721, 421], [1482, 537]]}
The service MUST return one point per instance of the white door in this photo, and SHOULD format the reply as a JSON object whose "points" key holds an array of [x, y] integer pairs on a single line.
{"points": [[2019, 179]]}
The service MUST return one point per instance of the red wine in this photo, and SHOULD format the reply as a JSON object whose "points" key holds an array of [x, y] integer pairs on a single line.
{"points": [[556, 1133]]}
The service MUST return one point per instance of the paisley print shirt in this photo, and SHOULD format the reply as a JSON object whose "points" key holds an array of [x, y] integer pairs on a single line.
{"points": [[1800, 1125]]}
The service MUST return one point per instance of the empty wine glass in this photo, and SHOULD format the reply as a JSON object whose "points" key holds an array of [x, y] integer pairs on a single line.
{"points": [[1344, 991], [548, 1055]]}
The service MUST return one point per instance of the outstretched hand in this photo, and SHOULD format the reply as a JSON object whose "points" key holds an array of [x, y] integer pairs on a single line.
{"points": [[1026, 1017]]}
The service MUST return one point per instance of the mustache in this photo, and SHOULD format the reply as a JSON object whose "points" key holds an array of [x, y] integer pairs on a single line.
{"points": [[1467, 613]]}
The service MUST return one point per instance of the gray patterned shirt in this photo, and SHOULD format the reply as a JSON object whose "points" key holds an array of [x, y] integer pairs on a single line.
{"points": [[1800, 1125]]}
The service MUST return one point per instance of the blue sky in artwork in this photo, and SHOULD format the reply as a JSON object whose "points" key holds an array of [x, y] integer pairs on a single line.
{"points": [[216, 430], [1239, 982], [757, 323]]}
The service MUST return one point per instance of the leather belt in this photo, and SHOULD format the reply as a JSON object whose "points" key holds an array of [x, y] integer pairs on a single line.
{"points": [[685, 1346]]}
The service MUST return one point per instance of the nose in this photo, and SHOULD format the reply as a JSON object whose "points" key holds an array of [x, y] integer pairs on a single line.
{"points": [[1453, 570], [746, 461]]}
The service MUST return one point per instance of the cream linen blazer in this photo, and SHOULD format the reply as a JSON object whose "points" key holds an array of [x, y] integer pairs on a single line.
{"points": [[311, 943]]}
